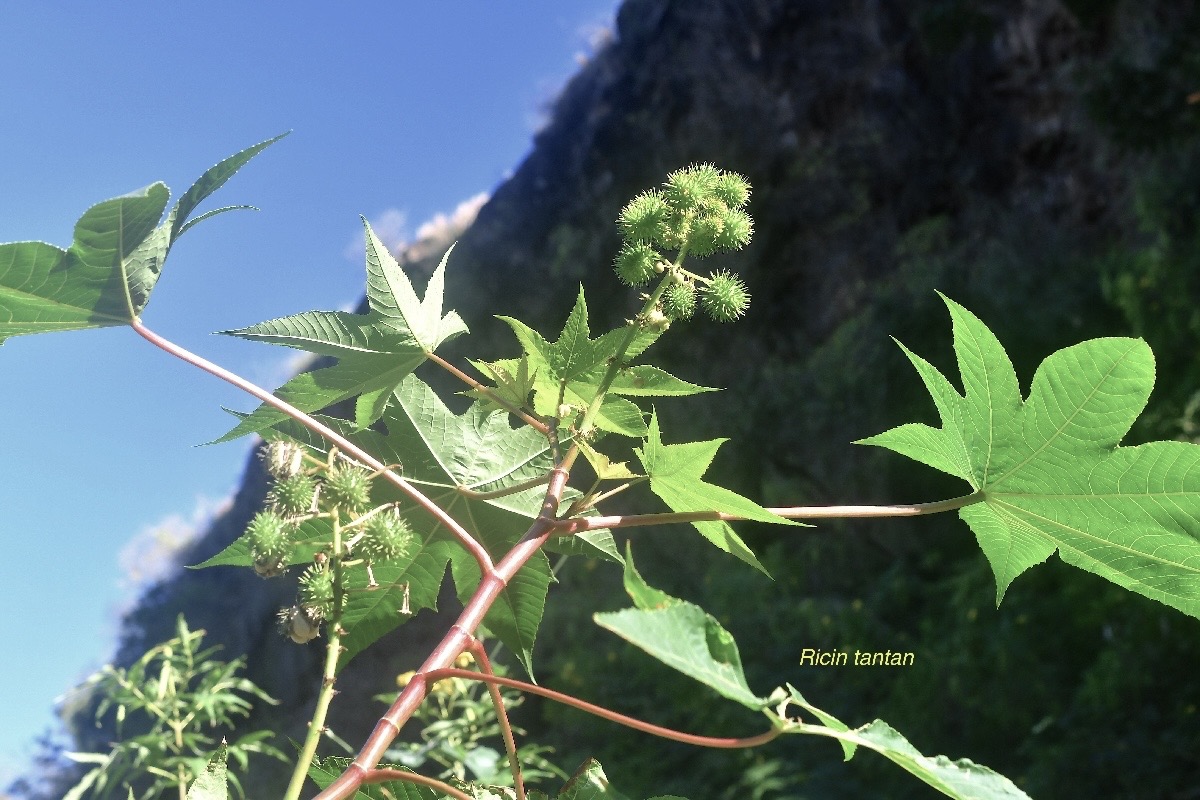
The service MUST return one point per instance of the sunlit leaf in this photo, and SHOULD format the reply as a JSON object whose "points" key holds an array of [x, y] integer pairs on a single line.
{"points": [[1049, 470]]}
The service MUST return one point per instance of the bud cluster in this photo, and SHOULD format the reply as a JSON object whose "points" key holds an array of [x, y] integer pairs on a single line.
{"points": [[304, 488], [700, 210]]}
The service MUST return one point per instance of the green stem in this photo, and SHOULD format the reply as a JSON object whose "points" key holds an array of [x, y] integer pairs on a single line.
{"points": [[618, 361], [316, 726], [540, 480]]}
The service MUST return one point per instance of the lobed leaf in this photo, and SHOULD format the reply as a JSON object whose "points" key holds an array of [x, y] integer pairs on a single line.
{"points": [[115, 259], [375, 351], [681, 635], [1048, 471], [571, 370], [962, 779]]}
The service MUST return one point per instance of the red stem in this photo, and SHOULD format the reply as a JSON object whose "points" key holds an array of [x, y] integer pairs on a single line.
{"points": [[456, 640], [510, 743], [384, 775], [612, 716], [578, 524], [536, 424], [465, 539]]}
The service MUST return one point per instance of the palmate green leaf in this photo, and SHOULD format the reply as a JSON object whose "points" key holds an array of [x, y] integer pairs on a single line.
{"points": [[681, 635], [962, 779], [375, 351], [45, 288], [105, 277], [590, 783], [676, 472], [1049, 471], [571, 370]]}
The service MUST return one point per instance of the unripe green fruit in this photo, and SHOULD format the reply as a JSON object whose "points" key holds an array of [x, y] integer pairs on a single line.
{"points": [[635, 263], [348, 487], [736, 229], [679, 300], [644, 218], [689, 188], [293, 496], [725, 297], [316, 592], [269, 535], [732, 189], [388, 537]]}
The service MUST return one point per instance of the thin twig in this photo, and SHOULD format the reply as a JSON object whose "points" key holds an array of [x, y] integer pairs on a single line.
{"points": [[484, 389], [456, 640], [510, 743], [466, 539], [612, 716], [384, 775]]}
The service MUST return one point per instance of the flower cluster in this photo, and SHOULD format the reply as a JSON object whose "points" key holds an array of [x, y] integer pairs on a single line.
{"points": [[699, 211]]}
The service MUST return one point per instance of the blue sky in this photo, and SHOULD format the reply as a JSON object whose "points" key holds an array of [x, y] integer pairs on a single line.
{"points": [[399, 111]]}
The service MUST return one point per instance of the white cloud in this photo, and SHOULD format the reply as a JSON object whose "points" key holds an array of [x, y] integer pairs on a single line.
{"points": [[442, 227], [151, 555]]}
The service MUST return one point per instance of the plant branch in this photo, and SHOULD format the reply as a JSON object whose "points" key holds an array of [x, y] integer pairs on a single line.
{"points": [[456, 640], [510, 743], [578, 524], [511, 408], [618, 361], [384, 775], [316, 725], [507, 490], [612, 716], [346, 446]]}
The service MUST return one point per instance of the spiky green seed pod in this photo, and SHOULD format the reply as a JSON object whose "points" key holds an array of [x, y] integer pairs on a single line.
{"points": [[293, 496], [732, 189], [269, 537], [297, 625], [704, 234], [736, 229], [679, 300], [348, 487], [725, 297], [316, 592], [283, 459], [388, 537], [689, 188], [644, 218], [635, 263]]}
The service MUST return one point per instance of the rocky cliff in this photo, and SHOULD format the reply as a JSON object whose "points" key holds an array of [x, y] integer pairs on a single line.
{"points": [[983, 149]]}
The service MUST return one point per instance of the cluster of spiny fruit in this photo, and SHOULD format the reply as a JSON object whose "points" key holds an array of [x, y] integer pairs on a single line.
{"points": [[307, 488], [700, 210]]}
